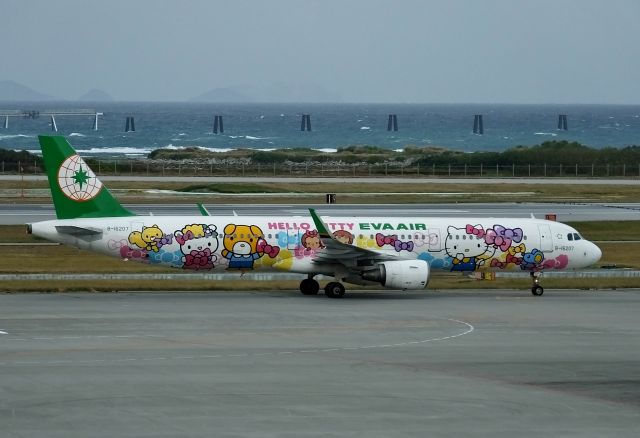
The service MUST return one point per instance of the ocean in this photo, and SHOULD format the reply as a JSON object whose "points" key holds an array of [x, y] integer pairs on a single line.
{"points": [[277, 126]]}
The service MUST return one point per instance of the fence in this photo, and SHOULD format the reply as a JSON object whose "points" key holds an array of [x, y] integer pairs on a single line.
{"points": [[175, 168]]}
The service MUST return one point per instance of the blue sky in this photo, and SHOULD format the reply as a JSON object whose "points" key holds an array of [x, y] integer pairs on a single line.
{"points": [[511, 51]]}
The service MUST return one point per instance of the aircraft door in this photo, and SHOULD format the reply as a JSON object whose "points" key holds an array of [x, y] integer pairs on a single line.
{"points": [[546, 241], [136, 226]]}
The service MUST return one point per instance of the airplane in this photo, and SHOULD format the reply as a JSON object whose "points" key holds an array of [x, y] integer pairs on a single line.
{"points": [[397, 253]]}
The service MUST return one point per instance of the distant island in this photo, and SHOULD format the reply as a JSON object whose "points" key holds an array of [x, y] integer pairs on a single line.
{"points": [[12, 91], [96, 95]]}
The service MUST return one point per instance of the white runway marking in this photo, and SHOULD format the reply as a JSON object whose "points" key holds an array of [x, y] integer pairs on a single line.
{"points": [[3, 333], [468, 329]]}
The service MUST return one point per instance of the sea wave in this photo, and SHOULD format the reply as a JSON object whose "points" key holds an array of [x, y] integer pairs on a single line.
{"points": [[552, 134], [179, 148], [10, 136], [327, 150], [250, 137], [115, 150], [76, 134], [365, 128]]}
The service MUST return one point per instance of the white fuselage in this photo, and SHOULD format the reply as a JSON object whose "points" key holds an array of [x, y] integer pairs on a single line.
{"points": [[288, 243]]}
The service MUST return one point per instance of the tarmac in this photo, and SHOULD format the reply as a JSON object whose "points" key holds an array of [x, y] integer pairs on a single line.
{"points": [[267, 364]]}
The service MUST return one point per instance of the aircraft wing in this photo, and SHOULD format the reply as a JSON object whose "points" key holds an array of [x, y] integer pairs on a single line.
{"points": [[336, 251]]}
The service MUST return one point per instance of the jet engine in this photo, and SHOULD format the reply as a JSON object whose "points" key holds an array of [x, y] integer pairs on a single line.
{"points": [[401, 274]]}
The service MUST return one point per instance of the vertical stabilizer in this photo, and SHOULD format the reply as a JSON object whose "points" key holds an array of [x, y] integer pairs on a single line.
{"points": [[75, 189]]}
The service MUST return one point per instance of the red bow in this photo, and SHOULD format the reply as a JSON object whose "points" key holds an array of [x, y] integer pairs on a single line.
{"points": [[382, 240], [476, 231], [264, 247], [182, 238], [198, 258]]}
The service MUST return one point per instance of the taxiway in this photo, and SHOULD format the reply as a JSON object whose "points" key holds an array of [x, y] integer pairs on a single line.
{"points": [[432, 363]]}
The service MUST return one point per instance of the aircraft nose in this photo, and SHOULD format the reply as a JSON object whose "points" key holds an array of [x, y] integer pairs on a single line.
{"points": [[594, 253]]}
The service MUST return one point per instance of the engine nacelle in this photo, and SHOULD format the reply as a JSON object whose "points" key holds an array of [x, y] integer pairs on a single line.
{"points": [[401, 274]]}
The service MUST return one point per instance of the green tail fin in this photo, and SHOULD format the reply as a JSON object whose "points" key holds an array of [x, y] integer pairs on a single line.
{"points": [[75, 189]]}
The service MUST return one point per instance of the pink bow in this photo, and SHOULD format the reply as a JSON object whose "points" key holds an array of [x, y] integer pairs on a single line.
{"points": [[476, 231], [182, 238], [382, 240], [264, 247], [492, 238]]}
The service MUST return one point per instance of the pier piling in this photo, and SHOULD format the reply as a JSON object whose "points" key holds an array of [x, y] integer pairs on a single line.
{"points": [[218, 125], [478, 124], [130, 125], [392, 123], [562, 122], [305, 123]]}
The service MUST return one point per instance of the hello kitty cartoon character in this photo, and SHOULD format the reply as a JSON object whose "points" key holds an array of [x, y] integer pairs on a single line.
{"points": [[468, 251], [198, 244]]}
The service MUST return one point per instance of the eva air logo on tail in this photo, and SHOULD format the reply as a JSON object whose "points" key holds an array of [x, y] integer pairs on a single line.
{"points": [[77, 181]]}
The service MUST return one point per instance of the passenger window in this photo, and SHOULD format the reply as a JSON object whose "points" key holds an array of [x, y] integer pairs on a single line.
{"points": [[570, 236]]}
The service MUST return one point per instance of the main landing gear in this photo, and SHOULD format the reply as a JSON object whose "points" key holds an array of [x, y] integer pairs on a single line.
{"points": [[536, 289], [334, 290], [309, 286]]}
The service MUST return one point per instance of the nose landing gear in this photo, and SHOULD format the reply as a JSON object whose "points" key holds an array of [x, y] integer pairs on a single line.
{"points": [[536, 289]]}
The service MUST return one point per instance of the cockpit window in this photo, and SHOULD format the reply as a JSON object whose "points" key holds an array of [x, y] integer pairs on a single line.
{"points": [[570, 236], [576, 236]]}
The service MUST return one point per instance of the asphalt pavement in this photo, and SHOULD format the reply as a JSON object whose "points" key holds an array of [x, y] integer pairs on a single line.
{"points": [[431, 363]]}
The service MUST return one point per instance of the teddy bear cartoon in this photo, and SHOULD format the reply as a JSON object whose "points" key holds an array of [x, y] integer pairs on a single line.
{"points": [[243, 244], [198, 243], [147, 238]]}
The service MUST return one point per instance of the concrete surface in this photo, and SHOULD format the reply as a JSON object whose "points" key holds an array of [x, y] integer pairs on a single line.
{"points": [[434, 363]]}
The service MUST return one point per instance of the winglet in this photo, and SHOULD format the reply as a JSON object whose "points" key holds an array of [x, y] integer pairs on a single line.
{"points": [[320, 226], [203, 210]]}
